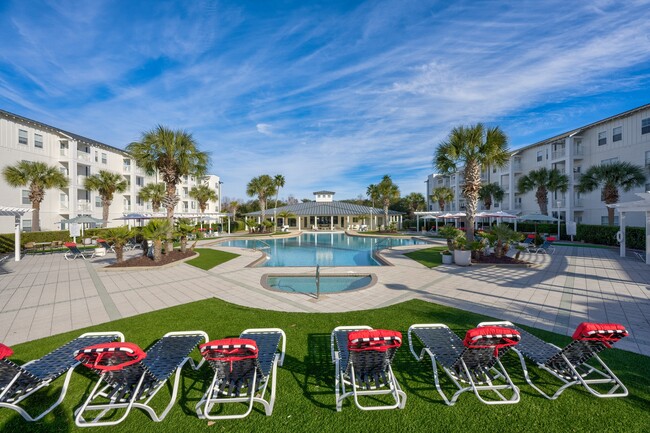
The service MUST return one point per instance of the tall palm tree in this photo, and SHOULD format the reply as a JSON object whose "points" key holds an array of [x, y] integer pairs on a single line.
{"points": [[415, 202], [203, 194], [611, 177], [106, 183], [472, 147], [173, 154], [263, 187], [153, 192], [279, 183], [373, 194], [543, 180], [388, 192], [39, 177], [489, 193], [442, 194]]}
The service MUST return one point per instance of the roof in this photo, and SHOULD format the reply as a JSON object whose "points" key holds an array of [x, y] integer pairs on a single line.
{"points": [[59, 131], [327, 209], [642, 205], [577, 131], [325, 192]]}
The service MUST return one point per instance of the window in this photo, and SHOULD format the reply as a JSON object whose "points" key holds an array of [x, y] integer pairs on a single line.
{"points": [[98, 201], [645, 126], [605, 221], [139, 180], [27, 225], [602, 138], [539, 155], [193, 203], [22, 136], [608, 161], [617, 134], [96, 156], [25, 197], [38, 141], [647, 158], [104, 158]]}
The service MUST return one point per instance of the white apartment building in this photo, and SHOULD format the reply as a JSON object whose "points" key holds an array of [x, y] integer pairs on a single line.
{"points": [[79, 157], [623, 137]]}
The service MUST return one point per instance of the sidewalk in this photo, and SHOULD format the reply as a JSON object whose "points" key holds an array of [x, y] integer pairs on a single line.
{"points": [[44, 295]]}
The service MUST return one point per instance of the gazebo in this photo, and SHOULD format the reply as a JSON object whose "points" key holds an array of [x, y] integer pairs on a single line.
{"points": [[642, 205], [17, 213]]}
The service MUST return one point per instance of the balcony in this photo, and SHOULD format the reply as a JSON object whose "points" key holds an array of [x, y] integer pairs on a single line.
{"points": [[517, 205], [64, 207], [83, 156], [554, 204], [83, 206], [81, 180], [557, 154], [578, 152], [578, 203], [516, 167], [126, 169], [63, 153], [576, 177]]}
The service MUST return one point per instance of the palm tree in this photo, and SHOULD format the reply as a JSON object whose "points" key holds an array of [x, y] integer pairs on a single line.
{"points": [[279, 183], [203, 194], [472, 147], [119, 236], [153, 192], [232, 207], [263, 187], [489, 193], [611, 177], [106, 184], [442, 194], [543, 181], [157, 230], [373, 193], [183, 230], [415, 202], [38, 176], [285, 215], [173, 154], [387, 192]]}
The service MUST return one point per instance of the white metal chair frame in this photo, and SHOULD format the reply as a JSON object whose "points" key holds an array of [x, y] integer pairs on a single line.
{"points": [[68, 375], [469, 384], [341, 379], [578, 378], [80, 421], [254, 396]]}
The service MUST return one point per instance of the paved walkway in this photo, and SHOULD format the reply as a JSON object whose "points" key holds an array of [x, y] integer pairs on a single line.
{"points": [[44, 295]]}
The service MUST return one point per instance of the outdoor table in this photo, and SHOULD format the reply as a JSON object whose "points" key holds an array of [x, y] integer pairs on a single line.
{"points": [[42, 246]]}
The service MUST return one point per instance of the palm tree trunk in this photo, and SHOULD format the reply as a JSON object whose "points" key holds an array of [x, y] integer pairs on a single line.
{"points": [[470, 191], [36, 216], [183, 244], [542, 200], [157, 251], [610, 216], [105, 213], [171, 192], [119, 253]]}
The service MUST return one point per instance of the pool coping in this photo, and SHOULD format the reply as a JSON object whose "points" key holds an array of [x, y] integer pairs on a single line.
{"points": [[264, 281]]}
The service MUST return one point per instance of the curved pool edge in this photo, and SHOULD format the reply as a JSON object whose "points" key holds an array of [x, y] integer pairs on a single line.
{"points": [[373, 281]]}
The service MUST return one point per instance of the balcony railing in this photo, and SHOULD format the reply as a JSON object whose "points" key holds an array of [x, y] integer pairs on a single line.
{"points": [[578, 151], [83, 156], [81, 180], [63, 152], [83, 206], [126, 168], [577, 176], [556, 154], [127, 208], [558, 203], [516, 167], [64, 206], [578, 202], [517, 205]]}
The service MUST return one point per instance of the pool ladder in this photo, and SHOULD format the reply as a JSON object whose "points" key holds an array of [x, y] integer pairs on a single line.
{"points": [[264, 246]]}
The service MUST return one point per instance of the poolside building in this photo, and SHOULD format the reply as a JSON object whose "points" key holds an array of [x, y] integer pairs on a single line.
{"points": [[78, 157], [325, 213]]}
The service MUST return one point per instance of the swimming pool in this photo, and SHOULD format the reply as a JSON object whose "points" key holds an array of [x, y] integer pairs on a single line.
{"points": [[332, 283], [324, 249]]}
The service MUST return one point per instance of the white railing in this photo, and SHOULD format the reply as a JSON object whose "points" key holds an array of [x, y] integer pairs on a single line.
{"points": [[517, 205], [126, 168], [63, 152], [558, 154], [577, 176], [578, 151], [83, 205], [558, 203], [516, 166], [83, 156], [63, 206], [81, 180], [578, 203], [127, 208]]}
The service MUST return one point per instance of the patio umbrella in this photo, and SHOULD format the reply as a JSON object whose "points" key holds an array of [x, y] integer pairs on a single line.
{"points": [[537, 217], [83, 220]]}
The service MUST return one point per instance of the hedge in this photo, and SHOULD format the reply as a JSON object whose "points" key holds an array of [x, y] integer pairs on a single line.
{"points": [[7, 239]]}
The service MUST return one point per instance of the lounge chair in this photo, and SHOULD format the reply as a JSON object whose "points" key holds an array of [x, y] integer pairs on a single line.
{"points": [[132, 244], [243, 368], [472, 364], [74, 252], [18, 382], [569, 364], [103, 244], [131, 375], [546, 248], [640, 256], [362, 358]]}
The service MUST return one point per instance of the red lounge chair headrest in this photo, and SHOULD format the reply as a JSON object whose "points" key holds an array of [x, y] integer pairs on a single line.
{"points": [[229, 349], [531, 236], [374, 339], [101, 240], [550, 239], [5, 351], [604, 332], [488, 337], [70, 244], [110, 356]]}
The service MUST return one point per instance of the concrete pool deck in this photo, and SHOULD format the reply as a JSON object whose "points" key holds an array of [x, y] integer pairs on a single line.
{"points": [[44, 295]]}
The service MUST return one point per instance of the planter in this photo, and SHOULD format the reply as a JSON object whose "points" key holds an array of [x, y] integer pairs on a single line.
{"points": [[447, 259], [462, 258]]}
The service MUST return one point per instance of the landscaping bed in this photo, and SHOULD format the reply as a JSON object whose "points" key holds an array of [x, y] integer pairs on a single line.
{"points": [[144, 261]]}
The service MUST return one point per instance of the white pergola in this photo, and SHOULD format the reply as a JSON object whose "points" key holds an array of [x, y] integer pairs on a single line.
{"points": [[642, 205], [17, 213]]}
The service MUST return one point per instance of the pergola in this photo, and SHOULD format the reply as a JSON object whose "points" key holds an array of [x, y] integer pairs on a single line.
{"points": [[17, 213], [642, 205]]}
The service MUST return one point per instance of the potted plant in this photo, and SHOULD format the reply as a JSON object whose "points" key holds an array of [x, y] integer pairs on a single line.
{"points": [[462, 255], [447, 257], [450, 233]]}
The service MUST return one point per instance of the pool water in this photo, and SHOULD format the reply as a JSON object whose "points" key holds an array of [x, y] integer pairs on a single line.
{"points": [[328, 283], [324, 249]]}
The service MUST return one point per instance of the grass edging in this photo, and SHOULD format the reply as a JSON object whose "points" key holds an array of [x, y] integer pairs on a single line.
{"points": [[209, 258]]}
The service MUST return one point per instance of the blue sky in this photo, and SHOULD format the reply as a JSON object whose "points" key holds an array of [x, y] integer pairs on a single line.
{"points": [[333, 95]]}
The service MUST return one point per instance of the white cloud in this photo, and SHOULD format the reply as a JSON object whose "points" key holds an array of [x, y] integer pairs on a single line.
{"points": [[264, 128]]}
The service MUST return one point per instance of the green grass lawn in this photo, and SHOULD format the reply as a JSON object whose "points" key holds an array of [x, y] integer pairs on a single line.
{"points": [[305, 399], [209, 258], [579, 245], [429, 257]]}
